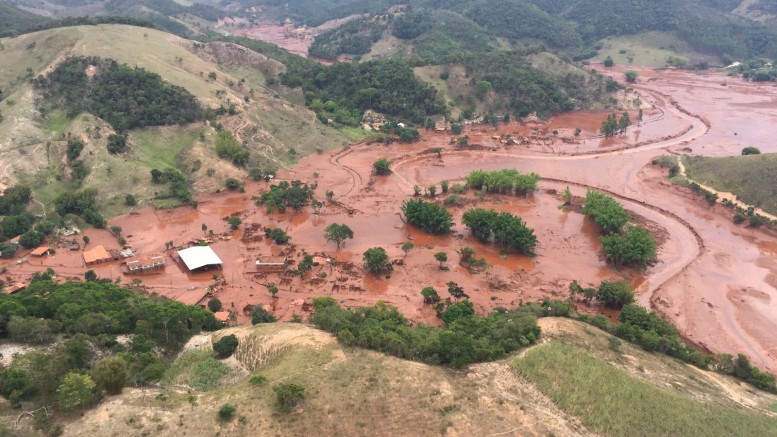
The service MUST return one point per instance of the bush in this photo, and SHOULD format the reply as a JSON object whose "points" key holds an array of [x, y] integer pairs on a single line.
{"points": [[636, 248], [608, 214], [232, 184], [376, 260], [261, 315], [427, 216], [507, 181], [751, 151], [129, 200], [75, 391], [430, 295], [226, 412], [116, 143], [257, 380], [501, 227], [225, 346], [277, 235], [382, 167], [111, 373], [214, 305], [615, 294], [289, 396]]}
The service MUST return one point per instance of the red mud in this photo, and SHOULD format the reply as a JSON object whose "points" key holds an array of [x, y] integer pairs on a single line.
{"points": [[716, 281]]}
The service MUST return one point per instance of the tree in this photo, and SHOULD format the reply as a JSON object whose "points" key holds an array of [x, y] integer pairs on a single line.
{"points": [[631, 76], [214, 305], [234, 222], [432, 190], [482, 88], [204, 228], [272, 288], [444, 186], [90, 276], [75, 391], [608, 62], [116, 230], [111, 373], [456, 291], [116, 143], [232, 184], [376, 260], [615, 294], [441, 257], [227, 411], [635, 248], [608, 214], [225, 346], [261, 315], [338, 233], [277, 235], [624, 122], [429, 217], [31, 239], [289, 396], [456, 129], [129, 200], [457, 311], [430, 295], [74, 148], [751, 151], [86, 239], [382, 167], [407, 247], [640, 114], [330, 196]]}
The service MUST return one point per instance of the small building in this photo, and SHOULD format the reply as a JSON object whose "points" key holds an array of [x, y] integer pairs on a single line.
{"points": [[41, 251], [222, 316], [144, 265], [270, 264], [15, 287], [97, 255], [199, 258]]}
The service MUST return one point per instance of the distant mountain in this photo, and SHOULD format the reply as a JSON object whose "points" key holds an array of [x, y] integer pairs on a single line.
{"points": [[13, 19]]}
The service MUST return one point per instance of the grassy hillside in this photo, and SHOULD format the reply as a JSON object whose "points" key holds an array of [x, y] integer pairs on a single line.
{"points": [[752, 178], [351, 391], [268, 122], [651, 49], [612, 402]]}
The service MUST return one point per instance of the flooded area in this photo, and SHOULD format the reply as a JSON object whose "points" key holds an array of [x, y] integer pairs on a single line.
{"points": [[715, 280]]}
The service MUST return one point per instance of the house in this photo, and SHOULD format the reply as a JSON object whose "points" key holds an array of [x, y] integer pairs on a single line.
{"points": [[147, 264], [41, 251], [270, 264], [97, 255], [199, 258]]}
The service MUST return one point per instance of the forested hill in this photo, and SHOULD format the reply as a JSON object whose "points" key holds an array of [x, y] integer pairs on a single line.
{"points": [[13, 19]]}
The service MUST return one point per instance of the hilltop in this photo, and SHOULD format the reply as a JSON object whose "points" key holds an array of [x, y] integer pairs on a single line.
{"points": [[351, 391]]}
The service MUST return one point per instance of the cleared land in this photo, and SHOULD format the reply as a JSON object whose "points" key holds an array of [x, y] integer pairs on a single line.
{"points": [[649, 49], [751, 178]]}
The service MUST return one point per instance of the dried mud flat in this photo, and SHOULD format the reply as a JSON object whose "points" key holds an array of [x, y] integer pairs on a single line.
{"points": [[714, 280]]}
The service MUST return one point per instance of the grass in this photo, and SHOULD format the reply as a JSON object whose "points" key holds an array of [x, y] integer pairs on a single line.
{"points": [[197, 369], [649, 49], [159, 147], [610, 401], [751, 178], [56, 124]]}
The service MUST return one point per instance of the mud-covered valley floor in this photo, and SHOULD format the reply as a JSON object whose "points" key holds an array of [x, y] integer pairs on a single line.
{"points": [[716, 281]]}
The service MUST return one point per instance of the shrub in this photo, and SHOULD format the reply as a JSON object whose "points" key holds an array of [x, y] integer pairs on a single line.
{"points": [[430, 295], [501, 227], [289, 396], [277, 235], [257, 380], [615, 293], [751, 151], [226, 412], [382, 167], [636, 248], [225, 346], [232, 183], [111, 373], [75, 391], [261, 315], [376, 260], [608, 214], [214, 305]]}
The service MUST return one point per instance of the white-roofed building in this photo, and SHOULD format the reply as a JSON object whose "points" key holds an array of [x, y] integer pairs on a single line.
{"points": [[199, 258]]}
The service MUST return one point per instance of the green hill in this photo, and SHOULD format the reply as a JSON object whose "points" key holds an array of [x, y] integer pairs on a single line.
{"points": [[13, 19], [752, 178], [262, 116], [352, 391]]}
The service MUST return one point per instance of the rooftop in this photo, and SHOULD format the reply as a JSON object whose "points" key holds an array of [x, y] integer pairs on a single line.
{"points": [[196, 257]]}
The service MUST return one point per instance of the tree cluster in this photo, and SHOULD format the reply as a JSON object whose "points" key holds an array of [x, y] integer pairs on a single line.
{"points": [[507, 181], [293, 195], [503, 228], [227, 147], [606, 212], [82, 203], [427, 216], [88, 317], [124, 96], [467, 339], [614, 125]]}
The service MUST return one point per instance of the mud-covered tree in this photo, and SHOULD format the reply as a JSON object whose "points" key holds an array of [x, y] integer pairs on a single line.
{"points": [[407, 247], [441, 258], [456, 291], [635, 248], [608, 214], [429, 217], [338, 233], [376, 260], [430, 295], [272, 288], [382, 167], [234, 222], [631, 76]]}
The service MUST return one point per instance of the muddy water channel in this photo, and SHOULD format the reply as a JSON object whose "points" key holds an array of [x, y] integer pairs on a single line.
{"points": [[716, 281]]}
